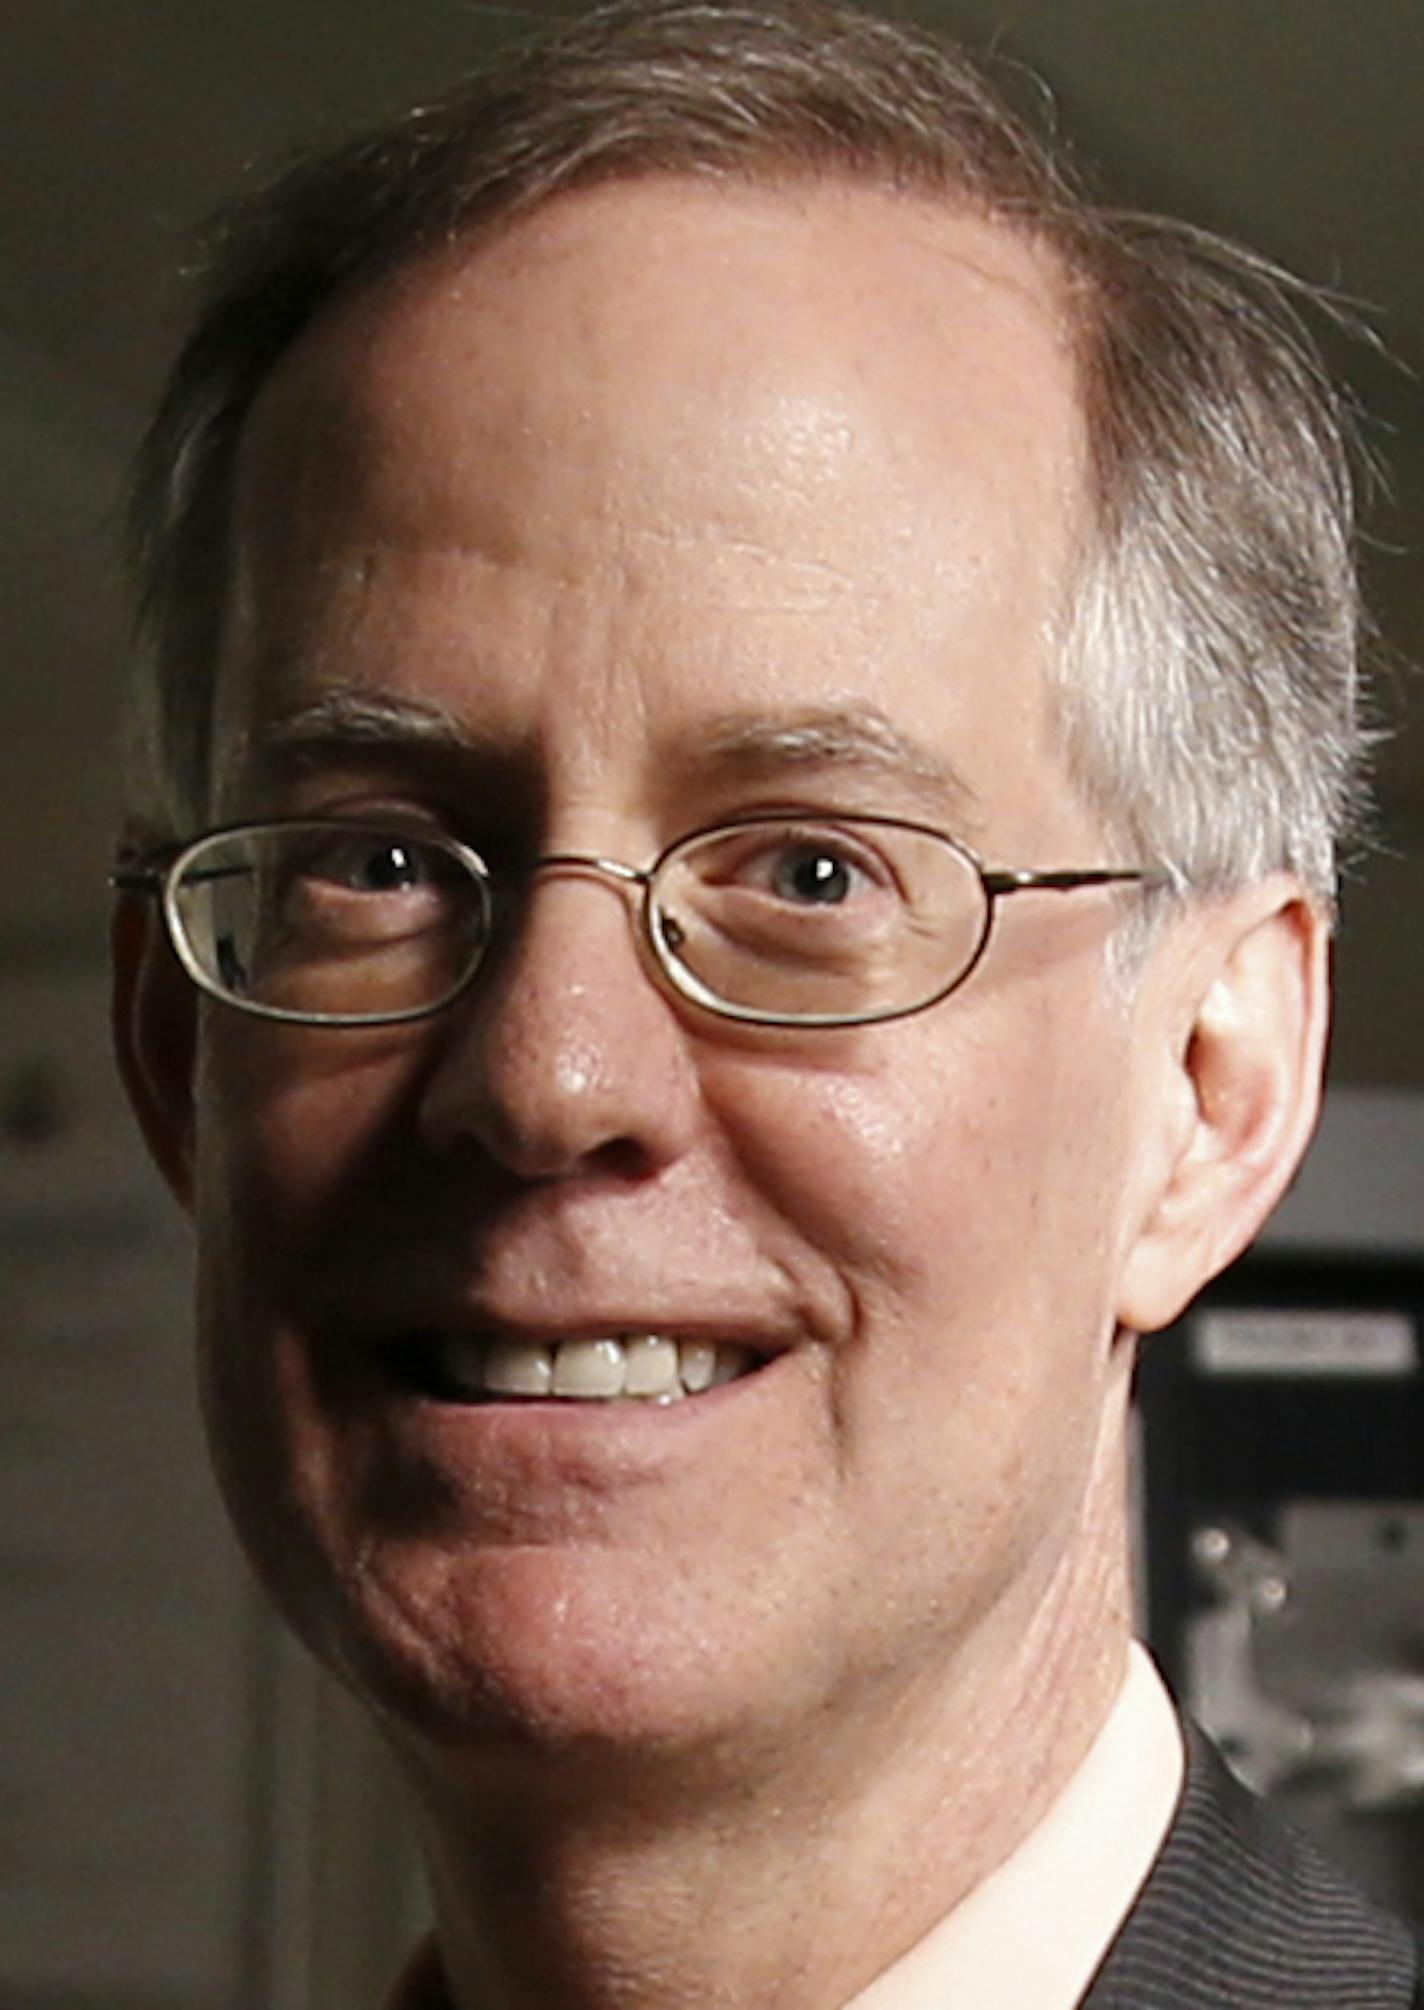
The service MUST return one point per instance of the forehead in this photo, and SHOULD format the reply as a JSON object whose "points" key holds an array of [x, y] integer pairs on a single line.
{"points": [[737, 411]]}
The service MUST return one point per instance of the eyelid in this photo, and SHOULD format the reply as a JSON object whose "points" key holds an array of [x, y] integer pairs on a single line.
{"points": [[854, 844]]}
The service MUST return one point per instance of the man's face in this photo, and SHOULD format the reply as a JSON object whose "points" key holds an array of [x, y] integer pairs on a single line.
{"points": [[670, 503]]}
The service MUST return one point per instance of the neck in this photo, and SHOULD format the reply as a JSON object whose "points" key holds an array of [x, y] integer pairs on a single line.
{"points": [[798, 1882]]}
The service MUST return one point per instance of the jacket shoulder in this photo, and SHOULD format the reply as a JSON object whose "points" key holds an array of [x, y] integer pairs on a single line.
{"points": [[1240, 1909]]}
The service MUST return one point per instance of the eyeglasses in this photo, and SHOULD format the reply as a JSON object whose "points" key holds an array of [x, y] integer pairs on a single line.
{"points": [[773, 920]]}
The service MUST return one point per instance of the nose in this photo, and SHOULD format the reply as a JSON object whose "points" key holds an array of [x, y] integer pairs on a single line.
{"points": [[566, 1058]]}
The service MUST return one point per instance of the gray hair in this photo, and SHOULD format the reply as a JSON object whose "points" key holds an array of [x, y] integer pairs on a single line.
{"points": [[1205, 679]]}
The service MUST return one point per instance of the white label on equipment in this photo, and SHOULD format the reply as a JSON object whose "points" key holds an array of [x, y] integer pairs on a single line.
{"points": [[1304, 1343]]}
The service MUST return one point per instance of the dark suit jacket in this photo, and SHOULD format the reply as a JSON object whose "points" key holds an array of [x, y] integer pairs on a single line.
{"points": [[1240, 1912]]}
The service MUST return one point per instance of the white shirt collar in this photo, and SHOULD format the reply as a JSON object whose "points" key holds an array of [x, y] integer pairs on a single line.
{"points": [[1036, 1930]]}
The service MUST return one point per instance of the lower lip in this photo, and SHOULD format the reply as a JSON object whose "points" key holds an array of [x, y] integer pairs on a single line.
{"points": [[625, 1430]]}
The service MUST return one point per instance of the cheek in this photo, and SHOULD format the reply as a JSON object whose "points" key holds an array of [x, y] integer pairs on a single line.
{"points": [[289, 1119], [937, 1147], [969, 1209], [286, 1131]]}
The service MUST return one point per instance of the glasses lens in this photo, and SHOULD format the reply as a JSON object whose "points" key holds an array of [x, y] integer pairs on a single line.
{"points": [[329, 921], [812, 921]]}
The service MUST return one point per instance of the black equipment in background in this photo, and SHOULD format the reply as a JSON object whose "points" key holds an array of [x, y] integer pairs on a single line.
{"points": [[1283, 1481]]}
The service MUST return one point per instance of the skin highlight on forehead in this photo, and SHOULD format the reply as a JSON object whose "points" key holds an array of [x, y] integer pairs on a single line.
{"points": [[927, 281], [884, 365]]}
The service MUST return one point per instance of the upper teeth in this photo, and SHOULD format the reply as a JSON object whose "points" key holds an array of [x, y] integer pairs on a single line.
{"points": [[630, 1364]]}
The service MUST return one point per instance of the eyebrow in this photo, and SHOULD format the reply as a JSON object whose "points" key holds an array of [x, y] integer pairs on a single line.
{"points": [[732, 747], [344, 720], [854, 737]]}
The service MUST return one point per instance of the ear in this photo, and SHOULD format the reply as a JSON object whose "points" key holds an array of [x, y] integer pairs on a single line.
{"points": [[1247, 1011], [154, 1018]]}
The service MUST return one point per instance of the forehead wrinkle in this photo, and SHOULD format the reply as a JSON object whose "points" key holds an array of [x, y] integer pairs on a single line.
{"points": [[797, 580]]}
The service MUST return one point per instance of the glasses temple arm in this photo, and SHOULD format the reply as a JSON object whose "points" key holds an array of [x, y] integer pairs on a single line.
{"points": [[146, 879], [997, 883]]}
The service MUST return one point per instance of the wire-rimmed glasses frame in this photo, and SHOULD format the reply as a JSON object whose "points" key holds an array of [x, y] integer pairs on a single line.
{"points": [[195, 872]]}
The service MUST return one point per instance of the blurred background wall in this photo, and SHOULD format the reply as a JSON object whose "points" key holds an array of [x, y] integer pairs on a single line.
{"points": [[148, 1861]]}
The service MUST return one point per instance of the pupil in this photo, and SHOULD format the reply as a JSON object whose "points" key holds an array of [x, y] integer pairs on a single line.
{"points": [[817, 876], [392, 867]]}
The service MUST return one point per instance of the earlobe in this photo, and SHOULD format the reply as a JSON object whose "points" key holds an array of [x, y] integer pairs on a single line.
{"points": [[1244, 1096], [153, 1015]]}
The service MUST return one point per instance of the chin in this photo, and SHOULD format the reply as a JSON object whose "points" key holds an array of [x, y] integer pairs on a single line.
{"points": [[484, 1657]]}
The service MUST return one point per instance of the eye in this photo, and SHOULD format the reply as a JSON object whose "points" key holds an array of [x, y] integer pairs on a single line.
{"points": [[804, 867], [367, 883], [795, 878], [370, 864]]}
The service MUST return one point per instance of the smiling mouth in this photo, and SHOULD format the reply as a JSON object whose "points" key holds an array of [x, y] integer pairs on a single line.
{"points": [[626, 1367]]}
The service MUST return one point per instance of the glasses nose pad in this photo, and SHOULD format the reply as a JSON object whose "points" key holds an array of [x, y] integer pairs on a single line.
{"points": [[668, 932], [664, 939]]}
